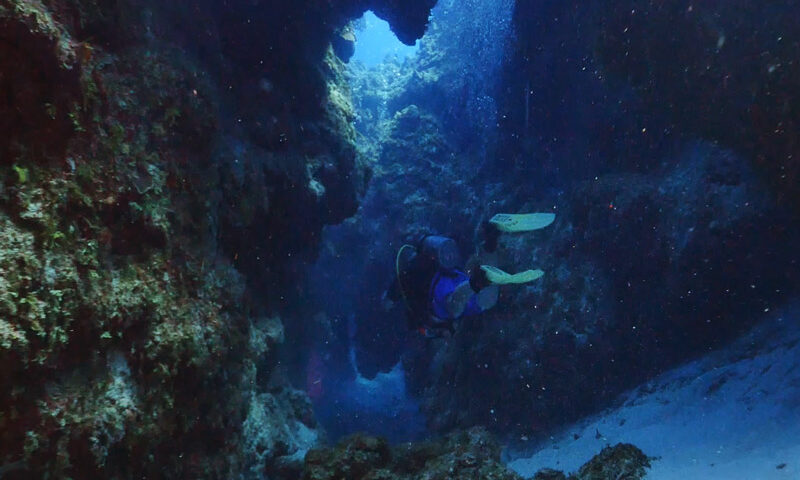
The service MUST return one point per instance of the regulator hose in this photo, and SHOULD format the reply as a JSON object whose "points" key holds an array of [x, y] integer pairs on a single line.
{"points": [[397, 272]]}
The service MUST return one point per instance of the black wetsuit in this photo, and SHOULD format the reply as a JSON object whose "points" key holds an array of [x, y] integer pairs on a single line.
{"points": [[412, 286]]}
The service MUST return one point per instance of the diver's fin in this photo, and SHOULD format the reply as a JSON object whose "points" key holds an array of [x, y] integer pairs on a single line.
{"points": [[522, 222], [499, 277]]}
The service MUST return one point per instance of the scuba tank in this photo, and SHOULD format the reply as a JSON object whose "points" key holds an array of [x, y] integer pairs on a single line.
{"points": [[442, 250], [427, 255]]}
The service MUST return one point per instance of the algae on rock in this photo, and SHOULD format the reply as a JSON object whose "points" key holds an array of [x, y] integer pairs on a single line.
{"points": [[467, 454], [122, 333], [138, 218], [622, 461]]}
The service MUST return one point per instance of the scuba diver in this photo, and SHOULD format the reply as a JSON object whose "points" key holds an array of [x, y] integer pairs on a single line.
{"points": [[436, 292]]}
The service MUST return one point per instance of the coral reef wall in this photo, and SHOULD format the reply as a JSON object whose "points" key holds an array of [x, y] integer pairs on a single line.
{"points": [[162, 164]]}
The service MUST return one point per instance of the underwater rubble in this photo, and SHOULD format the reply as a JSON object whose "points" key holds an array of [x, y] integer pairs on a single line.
{"points": [[470, 454]]}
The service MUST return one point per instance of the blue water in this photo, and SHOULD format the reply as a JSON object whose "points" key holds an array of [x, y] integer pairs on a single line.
{"points": [[375, 41], [380, 405]]}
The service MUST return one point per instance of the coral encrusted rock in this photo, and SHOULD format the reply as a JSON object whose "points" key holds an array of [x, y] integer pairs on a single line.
{"points": [[622, 461], [471, 454], [408, 20], [40, 79]]}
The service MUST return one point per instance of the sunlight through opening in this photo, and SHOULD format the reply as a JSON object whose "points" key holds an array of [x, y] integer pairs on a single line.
{"points": [[375, 41]]}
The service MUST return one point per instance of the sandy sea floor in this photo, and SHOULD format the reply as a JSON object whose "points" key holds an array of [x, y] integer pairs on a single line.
{"points": [[733, 414]]}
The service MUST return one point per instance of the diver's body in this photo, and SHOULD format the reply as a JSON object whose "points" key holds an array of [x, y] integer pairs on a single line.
{"points": [[436, 292]]}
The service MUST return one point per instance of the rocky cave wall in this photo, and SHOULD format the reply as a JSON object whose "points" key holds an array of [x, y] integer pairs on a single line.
{"points": [[161, 165], [675, 227], [674, 230], [730, 76]]}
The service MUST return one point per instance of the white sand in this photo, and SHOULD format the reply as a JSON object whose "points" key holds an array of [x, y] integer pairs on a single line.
{"points": [[731, 415]]}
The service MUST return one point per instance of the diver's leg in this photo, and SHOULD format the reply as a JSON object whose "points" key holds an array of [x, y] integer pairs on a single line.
{"points": [[487, 297], [478, 279], [490, 235], [458, 299]]}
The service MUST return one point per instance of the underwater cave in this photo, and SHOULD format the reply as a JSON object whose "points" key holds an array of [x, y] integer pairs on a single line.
{"points": [[370, 239]]}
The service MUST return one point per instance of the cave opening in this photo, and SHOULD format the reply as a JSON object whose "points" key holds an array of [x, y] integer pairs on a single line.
{"points": [[375, 41], [426, 121]]}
